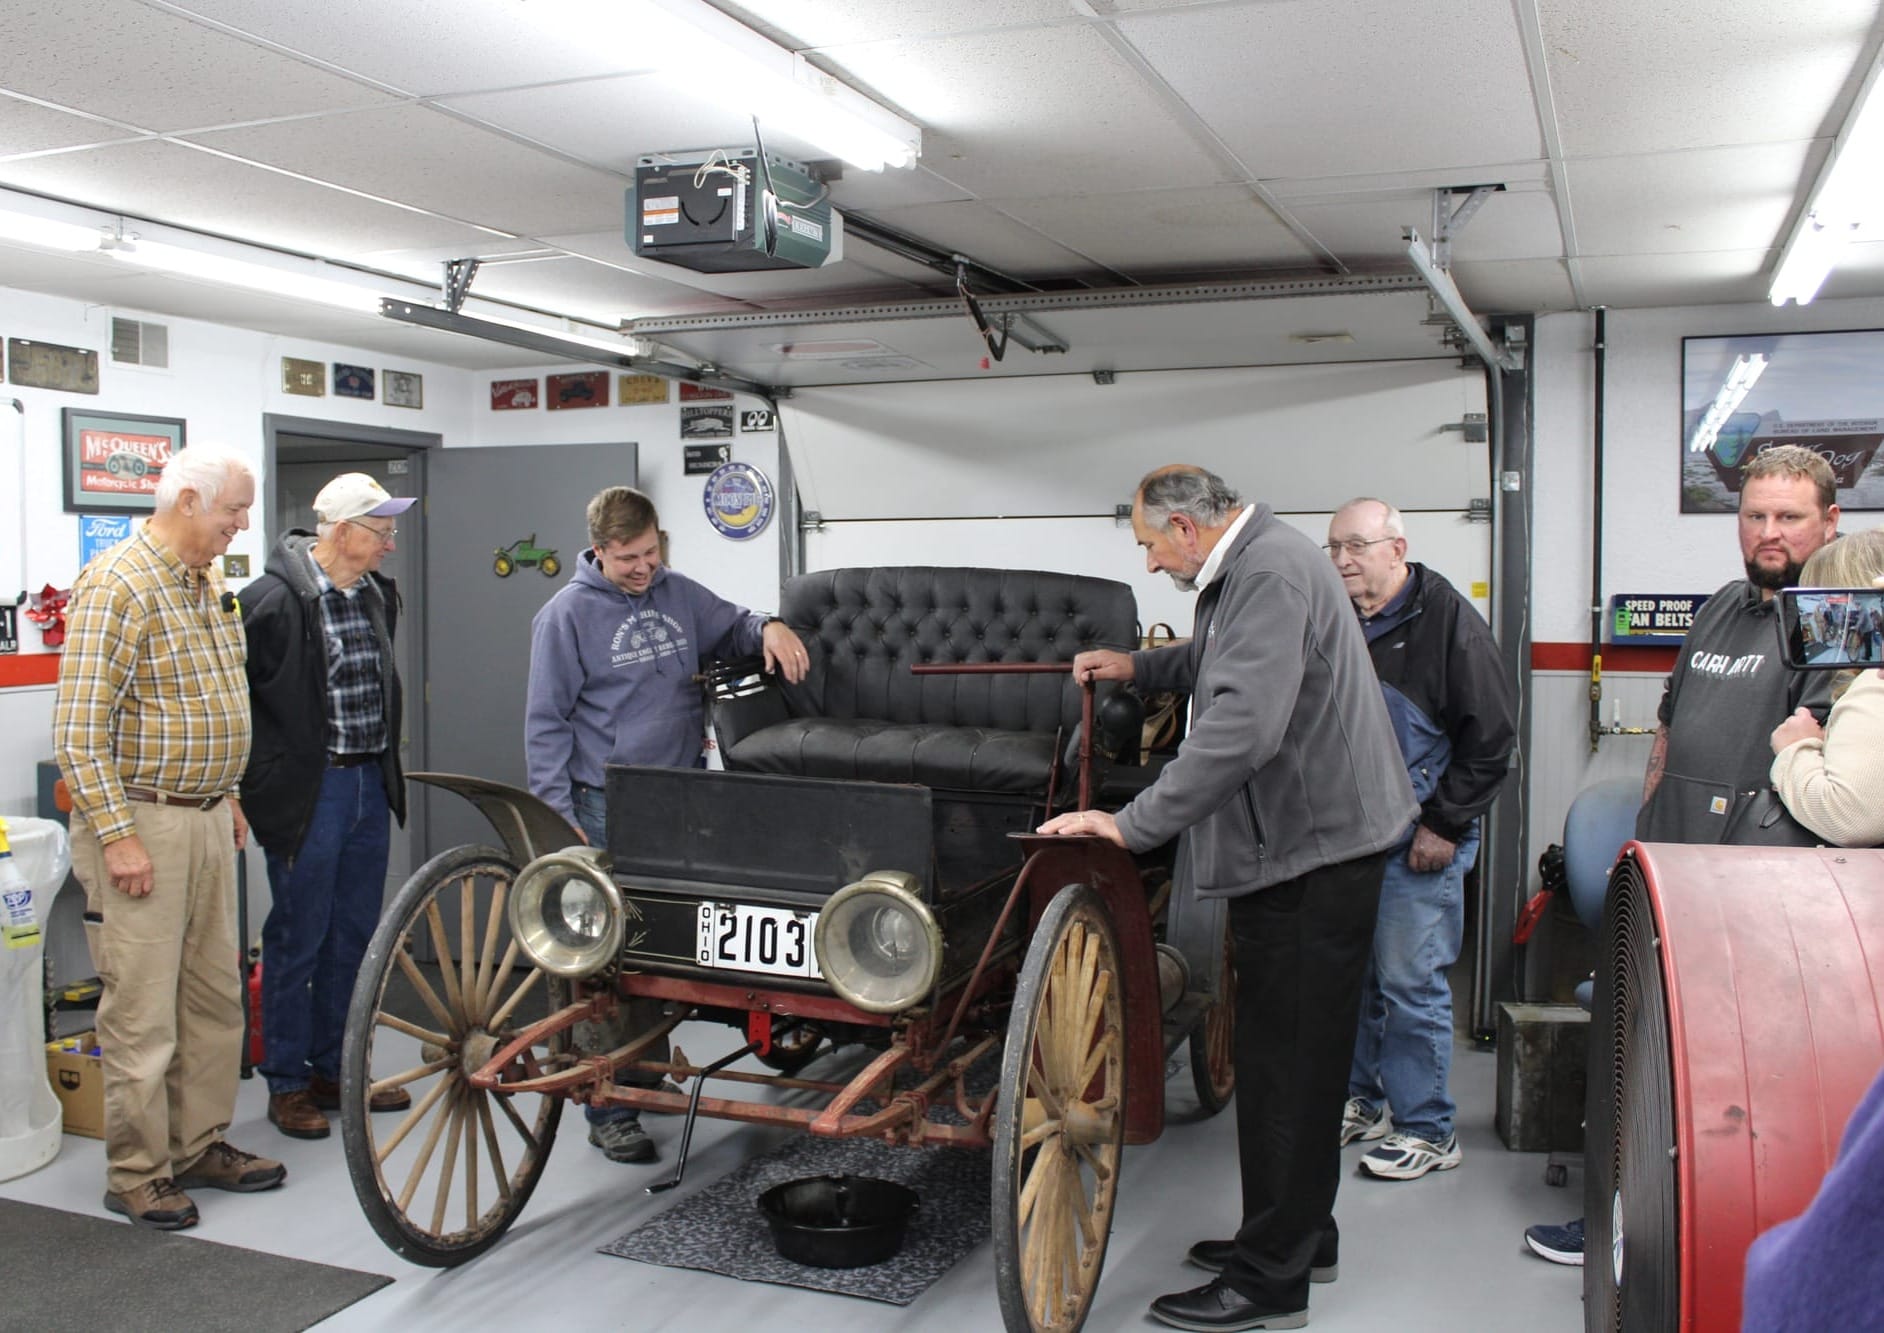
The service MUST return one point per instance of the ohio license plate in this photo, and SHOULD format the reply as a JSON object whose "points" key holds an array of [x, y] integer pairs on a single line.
{"points": [[746, 938]]}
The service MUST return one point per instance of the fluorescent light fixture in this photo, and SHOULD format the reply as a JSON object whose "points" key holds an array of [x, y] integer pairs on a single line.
{"points": [[720, 59], [1846, 203], [305, 284], [48, 233], [1741, 377], [623, 353]]}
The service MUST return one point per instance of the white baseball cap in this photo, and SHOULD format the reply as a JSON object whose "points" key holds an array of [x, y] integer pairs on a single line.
{"points": [[356, 495]]}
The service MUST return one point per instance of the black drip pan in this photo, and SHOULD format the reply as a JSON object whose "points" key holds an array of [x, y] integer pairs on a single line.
{"points": [[838, 1221]]}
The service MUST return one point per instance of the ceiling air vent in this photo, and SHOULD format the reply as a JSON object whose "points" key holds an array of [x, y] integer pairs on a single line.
{"points": [[134, 343]]}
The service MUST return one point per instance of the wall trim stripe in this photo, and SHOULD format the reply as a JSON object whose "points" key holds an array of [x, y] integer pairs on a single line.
{"points": [[1616, 657], [29, 669]]}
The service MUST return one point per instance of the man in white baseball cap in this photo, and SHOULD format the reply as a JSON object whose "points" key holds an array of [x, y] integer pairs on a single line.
{"points": [[354, 495], [323, 777]]}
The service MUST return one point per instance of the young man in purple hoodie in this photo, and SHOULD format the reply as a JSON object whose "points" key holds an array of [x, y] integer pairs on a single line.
{"points": [[613, 656]]}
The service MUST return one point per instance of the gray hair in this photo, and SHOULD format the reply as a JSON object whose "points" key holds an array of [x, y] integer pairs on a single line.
{"points": [[203, 468], [1203, 497], [1392, 523]]}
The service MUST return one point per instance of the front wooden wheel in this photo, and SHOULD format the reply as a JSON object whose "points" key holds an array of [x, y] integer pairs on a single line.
{"points": [[443, 1179], [1060, 1128], [1213, 1040]]}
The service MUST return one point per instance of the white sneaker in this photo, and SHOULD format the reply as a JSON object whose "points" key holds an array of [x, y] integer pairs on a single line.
{"points": [[1357, 1124], [1403, 1157]]}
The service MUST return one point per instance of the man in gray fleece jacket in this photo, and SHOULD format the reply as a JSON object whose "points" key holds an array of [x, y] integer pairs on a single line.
{"points": [[1292, 790]]}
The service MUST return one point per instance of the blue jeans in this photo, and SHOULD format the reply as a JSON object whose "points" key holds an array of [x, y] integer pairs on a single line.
{"points": [[327, 902], [1403, 1050], [591, 804]]}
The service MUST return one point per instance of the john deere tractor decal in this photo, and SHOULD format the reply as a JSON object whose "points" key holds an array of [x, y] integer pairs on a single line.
{"points": [[524, 553]]}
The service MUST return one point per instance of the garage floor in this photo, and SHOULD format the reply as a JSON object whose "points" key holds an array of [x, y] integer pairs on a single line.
{"points": [[1444, 1252]]}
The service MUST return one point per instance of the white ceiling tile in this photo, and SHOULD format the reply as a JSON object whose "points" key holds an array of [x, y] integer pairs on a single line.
{"points": [[26, 127], [1704, 199], [1511, 286], [1343, 86], [1035, 112], [167, 182], [1515, 176], [172, 73], [823, 23], [611, 122], [1189, 231], [435, 48], [441, 164], [986, 235], [1727, 276], [1630, 78], [1510, 224]]}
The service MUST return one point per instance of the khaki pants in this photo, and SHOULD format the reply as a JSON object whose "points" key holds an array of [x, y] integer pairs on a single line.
{"points": [[170, 1018]]}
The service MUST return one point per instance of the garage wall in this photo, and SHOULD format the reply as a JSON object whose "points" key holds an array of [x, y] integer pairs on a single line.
{"points": [[220, 381], [1026, 473], [1648, 544]]}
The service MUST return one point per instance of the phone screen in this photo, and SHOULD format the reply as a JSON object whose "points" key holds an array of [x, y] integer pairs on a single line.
{"points": [[1826, 629]]}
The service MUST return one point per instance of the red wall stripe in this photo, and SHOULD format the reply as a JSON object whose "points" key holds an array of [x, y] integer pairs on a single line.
{"points": [[43, 668], [29, 669], [1576, 657]]}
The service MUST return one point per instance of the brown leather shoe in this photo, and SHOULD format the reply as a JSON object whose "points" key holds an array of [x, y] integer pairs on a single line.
{"points": [[158, 1204], [327, 1096], [223, 1166], [296, 1115]]}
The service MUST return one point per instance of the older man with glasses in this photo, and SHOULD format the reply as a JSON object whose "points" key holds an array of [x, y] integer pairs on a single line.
{"points": [[1451, 707], [323, 776]]}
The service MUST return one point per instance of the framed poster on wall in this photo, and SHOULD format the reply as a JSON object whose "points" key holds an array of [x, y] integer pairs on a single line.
{"points": [[113, 461], [1748, 393]]}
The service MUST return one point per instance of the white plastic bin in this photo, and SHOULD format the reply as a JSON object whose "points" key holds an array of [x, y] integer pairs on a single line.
{"points": [[30, 1116]]}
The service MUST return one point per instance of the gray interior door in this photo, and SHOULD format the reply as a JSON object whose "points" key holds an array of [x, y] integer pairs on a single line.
{"points": [[477, 624]]}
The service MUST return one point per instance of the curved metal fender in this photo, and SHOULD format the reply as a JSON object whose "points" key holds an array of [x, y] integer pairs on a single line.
{"points": [[528, 826]]}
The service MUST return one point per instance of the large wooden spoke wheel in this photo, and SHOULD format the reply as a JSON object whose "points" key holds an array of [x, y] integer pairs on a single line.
{"points": [[1061, 1122], [442, 1180], [1213, 1040]]}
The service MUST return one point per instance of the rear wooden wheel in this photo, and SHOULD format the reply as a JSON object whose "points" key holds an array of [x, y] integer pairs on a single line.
{"points": [[1213, 1040], [442, 1180], [1061, 1123]]}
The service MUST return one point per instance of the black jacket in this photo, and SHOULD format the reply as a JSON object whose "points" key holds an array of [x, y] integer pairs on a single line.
{"points": [[1450, 702], [288, 695]]}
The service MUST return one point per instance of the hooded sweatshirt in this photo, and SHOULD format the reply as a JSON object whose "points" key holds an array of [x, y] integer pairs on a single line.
{"points": [[612, 676]]}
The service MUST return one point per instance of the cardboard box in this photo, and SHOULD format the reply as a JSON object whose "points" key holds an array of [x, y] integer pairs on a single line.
{"points": [[79, 1081]]}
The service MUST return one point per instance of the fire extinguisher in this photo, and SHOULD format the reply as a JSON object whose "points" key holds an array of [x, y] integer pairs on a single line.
{"points": [[255, 1007]]}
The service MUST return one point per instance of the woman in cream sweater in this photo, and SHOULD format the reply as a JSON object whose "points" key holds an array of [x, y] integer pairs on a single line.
{"points": [[1832, 778]]}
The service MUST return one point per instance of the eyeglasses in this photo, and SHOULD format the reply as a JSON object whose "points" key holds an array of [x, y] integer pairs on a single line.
{"points": [[385, 538], [1354, 546]]}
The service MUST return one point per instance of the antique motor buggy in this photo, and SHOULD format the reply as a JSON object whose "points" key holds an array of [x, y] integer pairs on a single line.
{"points": [[863, 874]]}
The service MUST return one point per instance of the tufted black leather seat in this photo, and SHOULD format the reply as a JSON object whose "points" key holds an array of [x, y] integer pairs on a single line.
{"points": [[860, 714]]}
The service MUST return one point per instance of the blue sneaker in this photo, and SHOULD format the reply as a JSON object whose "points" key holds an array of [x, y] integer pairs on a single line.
{"points": [[1560, 1245]]}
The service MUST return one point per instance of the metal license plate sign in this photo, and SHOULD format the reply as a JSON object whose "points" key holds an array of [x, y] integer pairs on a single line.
{"points": [[744, 938]]}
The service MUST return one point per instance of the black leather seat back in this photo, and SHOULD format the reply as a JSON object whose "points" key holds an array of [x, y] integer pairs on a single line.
{"points": [[860, 713], [865, 627]]}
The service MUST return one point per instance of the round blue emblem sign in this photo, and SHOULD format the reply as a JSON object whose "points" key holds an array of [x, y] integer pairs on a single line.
{"points": [[738, 500]]}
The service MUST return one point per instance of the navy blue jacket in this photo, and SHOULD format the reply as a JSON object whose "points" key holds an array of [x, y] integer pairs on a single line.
{"points": [[287, 670], [1449, 700]]}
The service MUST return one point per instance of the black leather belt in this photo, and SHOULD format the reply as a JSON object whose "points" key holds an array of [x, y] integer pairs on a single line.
{"points": [[351, 760], [148, 796]]}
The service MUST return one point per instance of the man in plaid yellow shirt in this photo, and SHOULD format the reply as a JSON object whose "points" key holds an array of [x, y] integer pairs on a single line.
{"points": [[151, 728]]}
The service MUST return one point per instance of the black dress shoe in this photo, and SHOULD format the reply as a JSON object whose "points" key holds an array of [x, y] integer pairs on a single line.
{"points": [[1220, 1308], [1213, 1256]]}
